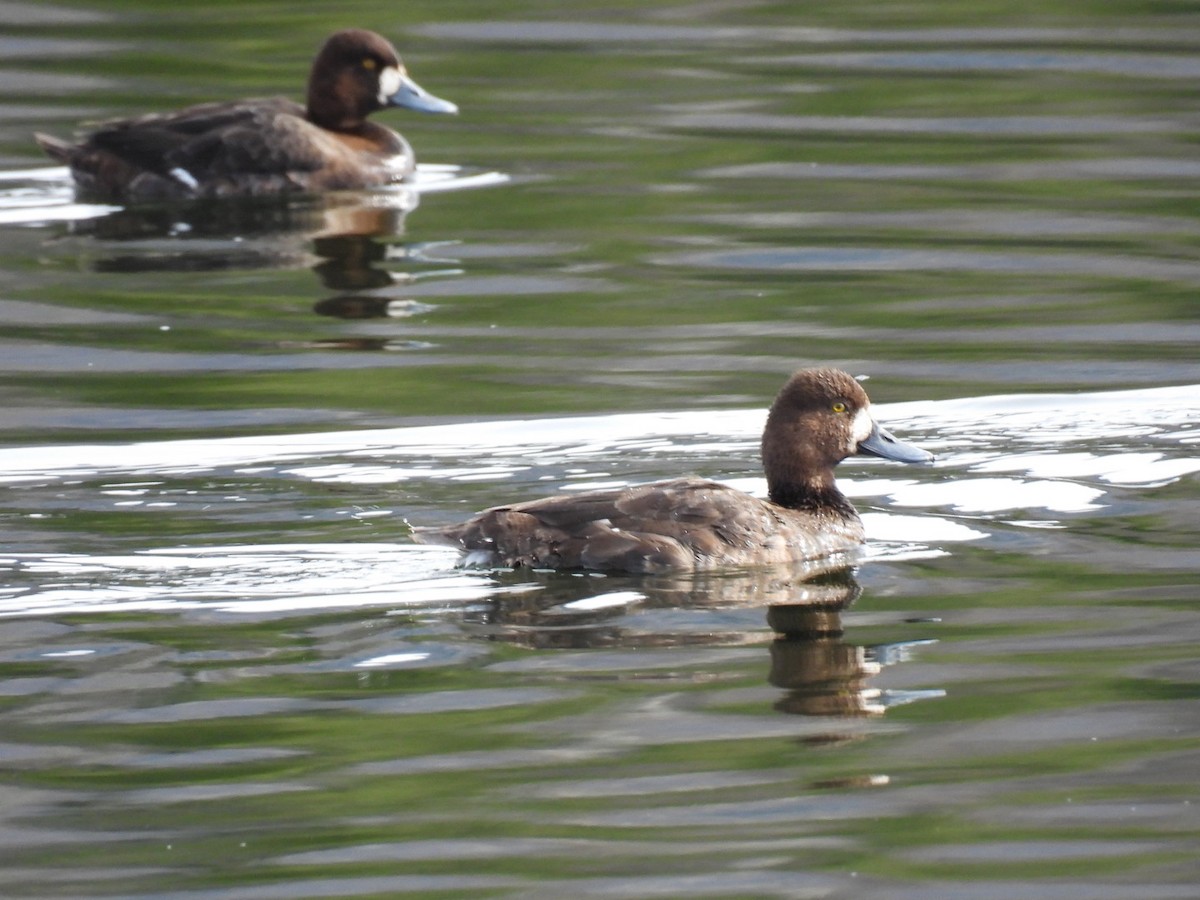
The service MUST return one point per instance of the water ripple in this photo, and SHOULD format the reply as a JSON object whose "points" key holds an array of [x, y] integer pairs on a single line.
{"points": [[888, 259], [1137, 65], [995, 126]]}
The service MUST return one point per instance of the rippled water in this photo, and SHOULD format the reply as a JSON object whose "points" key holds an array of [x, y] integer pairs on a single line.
{"points": [[226, 671]]}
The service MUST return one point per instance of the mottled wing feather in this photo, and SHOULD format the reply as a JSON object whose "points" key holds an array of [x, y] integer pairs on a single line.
{"points": [[197, 135], [573, 511], [142, 148], [684, 501], [507, 537], [212, 149], [634, 551], [268, 143], [681, 524], [710, 517]]}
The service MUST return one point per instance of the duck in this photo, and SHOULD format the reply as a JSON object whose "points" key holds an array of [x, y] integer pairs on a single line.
{"points": [[261, 147], [819, 418]]}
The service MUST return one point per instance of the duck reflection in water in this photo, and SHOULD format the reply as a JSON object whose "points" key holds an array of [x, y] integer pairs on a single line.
{"points": [[565, 611], [352, 242], [250, 232], [825, 675], [821, 673]]}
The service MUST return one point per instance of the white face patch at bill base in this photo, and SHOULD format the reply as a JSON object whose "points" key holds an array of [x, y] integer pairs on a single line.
{"points": [[390, 80], [863, 425]]}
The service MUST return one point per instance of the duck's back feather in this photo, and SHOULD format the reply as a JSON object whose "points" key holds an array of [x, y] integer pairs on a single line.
{"points": [[248, 147], [683, 524]]}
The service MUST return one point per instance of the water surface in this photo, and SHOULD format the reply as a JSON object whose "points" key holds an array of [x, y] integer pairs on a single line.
{"points": [[226, 670]]}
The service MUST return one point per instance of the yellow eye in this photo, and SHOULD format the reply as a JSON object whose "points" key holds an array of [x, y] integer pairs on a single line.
{"points": [[368, 63], [839, 407]]}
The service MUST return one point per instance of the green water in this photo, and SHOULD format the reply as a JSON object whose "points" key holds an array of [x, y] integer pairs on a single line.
{"points": [[225, 671]]}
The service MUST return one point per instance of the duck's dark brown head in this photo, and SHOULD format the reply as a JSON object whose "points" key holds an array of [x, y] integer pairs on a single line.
{"points": [[820, 417], [358, 72]]}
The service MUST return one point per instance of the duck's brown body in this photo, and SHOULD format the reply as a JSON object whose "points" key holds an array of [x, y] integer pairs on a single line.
{"points": [[670, 525], [819, 418], [261, 147]]}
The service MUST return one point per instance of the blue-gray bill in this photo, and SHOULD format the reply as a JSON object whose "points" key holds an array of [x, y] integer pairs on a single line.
{"points": [[411, 95], [881, 442]]}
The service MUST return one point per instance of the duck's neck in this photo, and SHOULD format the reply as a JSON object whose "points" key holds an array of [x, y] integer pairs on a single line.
{"points": [[822, 496], [332, 104], [319, 114], [799, 466]]}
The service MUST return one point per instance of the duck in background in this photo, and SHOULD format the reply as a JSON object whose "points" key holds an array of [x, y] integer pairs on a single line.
{"points": [[819, 417], [262, 147]]}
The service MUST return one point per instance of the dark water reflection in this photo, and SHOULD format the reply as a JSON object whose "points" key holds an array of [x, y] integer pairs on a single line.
{"points": [[225, 671], [352, 242]]}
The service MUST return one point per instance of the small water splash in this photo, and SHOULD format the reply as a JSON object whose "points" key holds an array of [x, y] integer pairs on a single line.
{"points": [[33, 197], [40, 196], [261, 579], [433, 178], [59, 175]]}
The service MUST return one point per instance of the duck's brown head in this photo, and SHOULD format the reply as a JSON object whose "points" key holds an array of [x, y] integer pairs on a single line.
{"points": [[358, 72], [820, 417]]}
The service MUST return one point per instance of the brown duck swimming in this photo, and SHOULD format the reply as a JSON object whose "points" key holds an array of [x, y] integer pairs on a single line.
{"points": [[820, 417], [266, 146]]}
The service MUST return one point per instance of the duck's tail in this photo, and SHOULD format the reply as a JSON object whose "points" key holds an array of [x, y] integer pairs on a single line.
{"points": [[55, 148]]}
